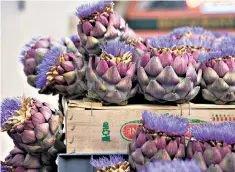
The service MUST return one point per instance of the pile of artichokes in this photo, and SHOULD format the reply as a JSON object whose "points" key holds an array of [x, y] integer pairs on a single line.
{"points": [[108, 62]]}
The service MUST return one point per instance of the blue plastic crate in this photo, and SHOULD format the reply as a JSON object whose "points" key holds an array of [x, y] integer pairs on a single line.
{"points": [[78, 162]]}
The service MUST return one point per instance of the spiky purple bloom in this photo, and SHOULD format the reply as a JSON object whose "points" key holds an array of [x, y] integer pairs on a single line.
{"points": [[223, 132], [8, 107], [105, 162], [220, 53], [3, 168], [170, 124], [86, 10], [178, 32], [160, 42], [48, 61], [27, 47], [116, 48], [220, 34], [172, 166]]}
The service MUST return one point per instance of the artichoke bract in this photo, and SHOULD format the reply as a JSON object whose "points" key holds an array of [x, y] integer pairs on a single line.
{"points": [[20, 161], [115, 163], [169, 71], [63, 72], [111, 76], [160, 137], [99, 23], [172, 166], [218, 77], [213, 146], [33, 53], [35, 127]]}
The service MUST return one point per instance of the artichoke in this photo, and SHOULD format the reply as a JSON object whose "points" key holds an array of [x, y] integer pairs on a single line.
{"points": [[20, 161], [62, 72], [172, 166], [35, 127], [33, 53], [114, 164], [160, 137], [213, 146], [169, 70], [111, 76], [218, 76], [99, 23]]}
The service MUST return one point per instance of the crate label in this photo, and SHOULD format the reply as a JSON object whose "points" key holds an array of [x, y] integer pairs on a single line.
{"points": [[223, 117], [106, 132], [128, 129]]}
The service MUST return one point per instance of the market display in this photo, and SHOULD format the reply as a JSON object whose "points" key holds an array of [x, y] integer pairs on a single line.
{"points": [[107, 62]]}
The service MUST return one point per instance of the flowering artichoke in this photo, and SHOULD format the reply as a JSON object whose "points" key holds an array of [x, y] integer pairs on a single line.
{"points": [[19, 161], [100, 23], [172, 166], [5, 168], [169, 70], [111, 76], [218, 76], [191, 33], [33, 53], [62, 72], [161, 137], [213, 146], [113, 164], [35, 127]]}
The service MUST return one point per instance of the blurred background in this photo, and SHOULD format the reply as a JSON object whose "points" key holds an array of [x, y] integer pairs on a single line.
{"points": [[22, 20]]}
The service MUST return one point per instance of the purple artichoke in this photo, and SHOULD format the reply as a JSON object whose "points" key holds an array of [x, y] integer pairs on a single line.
{"points": [[114, 163], [111, 76], [62, 72], [218, 76], [213, 146], [35, 127], [160, 137], [169, 70], [172, 166], [19, 161], [33, 53], [99, 23]]}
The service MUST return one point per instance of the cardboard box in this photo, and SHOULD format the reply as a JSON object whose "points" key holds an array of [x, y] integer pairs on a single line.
{"points": [[93, 128]]}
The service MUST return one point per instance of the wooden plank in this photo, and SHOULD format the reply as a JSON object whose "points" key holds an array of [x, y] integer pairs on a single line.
{"points": [[86, 133]]}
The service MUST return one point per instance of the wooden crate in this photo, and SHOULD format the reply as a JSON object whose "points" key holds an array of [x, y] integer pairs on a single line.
{"points": [[94, 128]]}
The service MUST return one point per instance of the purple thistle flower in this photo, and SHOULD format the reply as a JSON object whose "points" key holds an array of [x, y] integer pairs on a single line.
{"points": [[8, 107], [3, 168], [27, 47], [223, 132], [178, 32], [86, 10], [116, 48], [223, 51], [48, 61], [220, 34], [160, 42], [170, 124], [172, 166], [105, 162], [74, 38]]}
